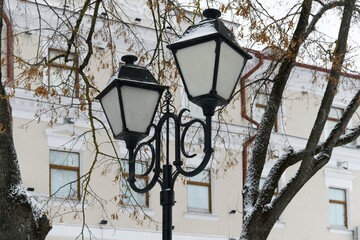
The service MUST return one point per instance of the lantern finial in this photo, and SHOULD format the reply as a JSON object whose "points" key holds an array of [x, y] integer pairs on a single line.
{"points": [[211, 13], [129, 59]]}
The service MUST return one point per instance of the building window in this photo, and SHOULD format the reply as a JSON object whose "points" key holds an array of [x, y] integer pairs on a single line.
{"points": [[337, 207], [64, 174], [260, 104], [63, 78], [334, 118], [199, 192], [130, 197]]}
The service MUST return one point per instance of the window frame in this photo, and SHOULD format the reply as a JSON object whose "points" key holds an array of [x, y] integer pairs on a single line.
{"points": [[340, 202], [73, 68], [202, 184], [66, 168], [336, 119], [125, 175], [327, 131], [263, 106]]}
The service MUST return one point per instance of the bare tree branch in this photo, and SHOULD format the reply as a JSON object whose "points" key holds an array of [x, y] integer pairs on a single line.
{"points": [[306, 170], [263, 137]]}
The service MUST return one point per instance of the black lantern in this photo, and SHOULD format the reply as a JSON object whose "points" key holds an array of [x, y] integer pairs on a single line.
{"points": [[130, 101], [210, 62]]}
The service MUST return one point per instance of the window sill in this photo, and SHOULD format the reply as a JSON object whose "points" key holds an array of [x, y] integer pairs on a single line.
{"points": [[279, 224], [67, 203], [142, 210], [340, 230], [45, 200], [201, 216]]}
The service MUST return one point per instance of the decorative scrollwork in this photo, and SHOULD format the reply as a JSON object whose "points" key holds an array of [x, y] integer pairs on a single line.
{"points": [[152, 161], [181, 130], [208, 150], [152, 167], [167, 106], [186, 127]]}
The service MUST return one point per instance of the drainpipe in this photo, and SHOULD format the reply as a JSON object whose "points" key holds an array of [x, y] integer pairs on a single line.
{"points": [[244, 113], [245, 156], [9, 50], [9, 55]]}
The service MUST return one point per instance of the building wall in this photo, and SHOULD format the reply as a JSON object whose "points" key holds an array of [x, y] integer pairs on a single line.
{"points": [[306, 217]]}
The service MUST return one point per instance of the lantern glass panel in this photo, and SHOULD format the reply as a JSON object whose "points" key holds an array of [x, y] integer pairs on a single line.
{"points": [[111, 105], [231, 64], [197, 67], [139, 107]]}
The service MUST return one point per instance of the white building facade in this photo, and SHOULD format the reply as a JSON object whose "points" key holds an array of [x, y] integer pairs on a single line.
{"points": [[55, 150]]}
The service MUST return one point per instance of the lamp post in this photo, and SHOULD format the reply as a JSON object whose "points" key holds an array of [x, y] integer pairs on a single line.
{"points": [[210, 63]]}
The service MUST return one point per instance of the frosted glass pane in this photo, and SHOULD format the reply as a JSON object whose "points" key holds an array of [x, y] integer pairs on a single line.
{"points": [[140, 167], [230, 66], [61, 60], [62, 80], [139, 107], [60, 183], [262, 98], [111, 106], [258, 113], [55, 77], [131, 197], [337, 194], [198, 198], [329, 126], [260, 103], [64, 158], [336, 113], [337, 214], [197, 66]]}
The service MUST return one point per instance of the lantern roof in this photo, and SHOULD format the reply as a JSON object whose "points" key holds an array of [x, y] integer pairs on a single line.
{"points": [[211, 27], [129, 71], [130, 101]]}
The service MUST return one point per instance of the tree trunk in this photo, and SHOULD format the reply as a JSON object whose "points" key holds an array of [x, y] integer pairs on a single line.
{"points": [[259, 214], [254, 229], [18, 220]]}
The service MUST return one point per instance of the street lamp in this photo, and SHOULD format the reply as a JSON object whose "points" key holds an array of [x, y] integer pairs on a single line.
{"points": [[130, 101], [210, 63]]}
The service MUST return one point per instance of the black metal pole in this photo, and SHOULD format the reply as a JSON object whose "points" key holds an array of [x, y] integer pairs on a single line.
{"points": [[167, 182], [167, 201]]}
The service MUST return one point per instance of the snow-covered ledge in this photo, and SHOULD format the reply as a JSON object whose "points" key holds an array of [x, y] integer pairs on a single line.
{"points": [[201, 216], [279, 224], [142, 210], [343, 231]]}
